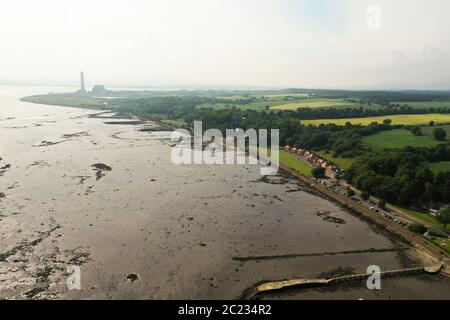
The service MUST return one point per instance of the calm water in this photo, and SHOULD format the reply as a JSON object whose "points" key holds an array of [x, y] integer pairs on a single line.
{"points": [[151, 229]]}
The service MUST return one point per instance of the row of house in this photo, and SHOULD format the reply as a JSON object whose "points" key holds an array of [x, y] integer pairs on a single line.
{"points": [[315, 160]]}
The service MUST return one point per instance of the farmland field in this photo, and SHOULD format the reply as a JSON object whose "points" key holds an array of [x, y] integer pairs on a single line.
{"points": [[314, 103], [278, 102], [66, 100], [419, 119], [429, 130], [443, 166], [177, 123], [292, 161], [260, 105], [282, 95], [420, 215], [427, 104], [399, 138]]}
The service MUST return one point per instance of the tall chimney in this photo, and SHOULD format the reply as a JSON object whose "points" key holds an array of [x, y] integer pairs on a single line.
{"points": [[82, 81]]}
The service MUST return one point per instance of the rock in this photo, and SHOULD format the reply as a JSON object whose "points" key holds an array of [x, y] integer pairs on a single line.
{"points": [[133, 277], [101, 166]]}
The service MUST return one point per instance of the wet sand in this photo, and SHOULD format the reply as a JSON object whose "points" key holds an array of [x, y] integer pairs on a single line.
{"points": [[106, 197]]}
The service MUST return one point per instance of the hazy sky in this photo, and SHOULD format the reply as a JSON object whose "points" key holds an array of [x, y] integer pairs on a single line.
{"points": [[233, 43]]}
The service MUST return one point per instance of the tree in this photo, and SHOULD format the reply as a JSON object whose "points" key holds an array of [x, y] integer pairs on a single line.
{"points": [[431, 123], [365, 195], [416, 131], [440, 134], [319, 139], [382, 204], [406, 194], [318, 172], [444, 217], [387, 121], [417, 228]]}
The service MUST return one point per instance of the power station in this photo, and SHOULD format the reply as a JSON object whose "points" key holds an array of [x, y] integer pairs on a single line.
{"points": [[97, 90], [82, 89]]}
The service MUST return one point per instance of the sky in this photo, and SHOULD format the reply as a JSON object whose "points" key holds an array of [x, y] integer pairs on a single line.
{"points": [[348, 44]]}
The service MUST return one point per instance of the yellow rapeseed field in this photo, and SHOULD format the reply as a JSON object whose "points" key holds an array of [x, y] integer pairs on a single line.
{"points": [[409, 119]]}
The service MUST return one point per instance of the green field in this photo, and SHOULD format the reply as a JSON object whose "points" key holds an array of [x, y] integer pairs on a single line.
{"points": [[260, 105], [443, 166], [292, 161], [443, 243], [282, 95], [279, 102], [416, 119], [264, 102], [314, 103], [398, 138], [421, 216], [429, 130], [428, 104], [177, 123], [68, 101], [343, 163]]}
